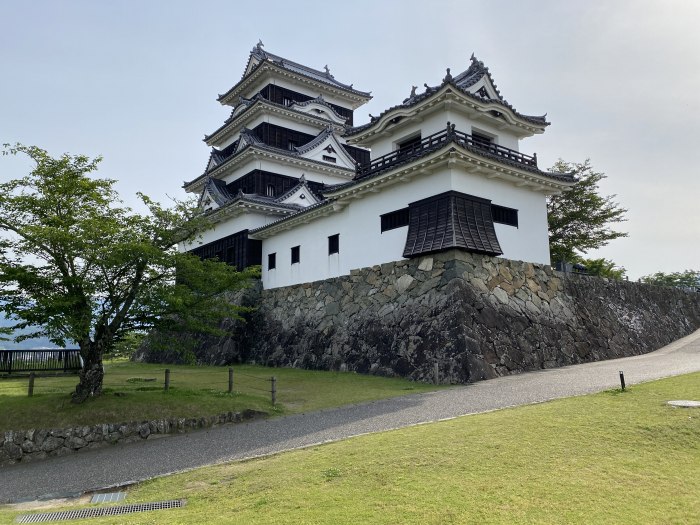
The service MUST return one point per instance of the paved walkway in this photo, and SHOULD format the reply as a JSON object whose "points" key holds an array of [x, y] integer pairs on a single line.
{"points": [[123, 464]]}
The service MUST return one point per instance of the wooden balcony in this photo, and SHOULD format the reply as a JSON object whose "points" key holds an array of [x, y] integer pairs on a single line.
{"points": [[436, 141]]}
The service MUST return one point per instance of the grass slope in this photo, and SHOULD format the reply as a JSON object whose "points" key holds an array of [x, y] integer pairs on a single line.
{"points": [[195, 391], [606, 458]]}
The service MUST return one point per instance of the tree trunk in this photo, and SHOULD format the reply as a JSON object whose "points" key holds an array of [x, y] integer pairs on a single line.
{"points": [[91, 375]]}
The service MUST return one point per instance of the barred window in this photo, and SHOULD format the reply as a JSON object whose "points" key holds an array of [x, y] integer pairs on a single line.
{"points": [[503, 215]]}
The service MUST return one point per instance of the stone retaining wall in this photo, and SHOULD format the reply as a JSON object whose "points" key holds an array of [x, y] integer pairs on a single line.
{"points": [[478, 317], [32, 445]]}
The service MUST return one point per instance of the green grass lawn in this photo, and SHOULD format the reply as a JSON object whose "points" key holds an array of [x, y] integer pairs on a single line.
{"points": [[606, 458], [194, 391]]}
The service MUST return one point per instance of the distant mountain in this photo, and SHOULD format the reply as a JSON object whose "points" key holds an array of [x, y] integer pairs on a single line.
{"points": [[40, 342]]}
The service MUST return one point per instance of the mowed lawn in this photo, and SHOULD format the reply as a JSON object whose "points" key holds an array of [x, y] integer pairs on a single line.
{"points": [[606, 458], [134, 392]]}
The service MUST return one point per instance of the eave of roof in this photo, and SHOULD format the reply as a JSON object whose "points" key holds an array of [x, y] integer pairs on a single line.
{"points": [[339, 89], [525, 175], [538, 122], [305, 215], [244, 202], [269, 151], [262, 104]]}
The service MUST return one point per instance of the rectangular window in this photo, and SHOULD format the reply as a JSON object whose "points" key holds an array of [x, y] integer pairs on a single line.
{"points": [[395, 219], [334, 244], [481, 140], [271, 261], [409, 145], [503, 215], [295, 254]]}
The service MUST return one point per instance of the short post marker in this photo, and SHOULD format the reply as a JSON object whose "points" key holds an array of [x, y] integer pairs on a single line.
{"points": [[167, 379], [230, 380], [436, 373], [622, 380], [30, 390], [273, 389]]}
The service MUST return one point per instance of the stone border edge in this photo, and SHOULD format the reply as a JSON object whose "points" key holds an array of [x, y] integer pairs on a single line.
{"points": [[37, 444]]}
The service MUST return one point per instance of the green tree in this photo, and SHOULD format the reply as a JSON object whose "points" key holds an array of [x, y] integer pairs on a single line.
{"points": [[603, 268], [580, 219], [76, 265], [685, 279]]}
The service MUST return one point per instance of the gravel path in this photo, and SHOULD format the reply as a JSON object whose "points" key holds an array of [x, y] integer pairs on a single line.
{"points": [[122, 464]]}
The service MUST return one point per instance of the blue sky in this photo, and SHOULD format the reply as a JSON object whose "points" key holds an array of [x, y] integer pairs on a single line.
{"points": [[136, 82]]}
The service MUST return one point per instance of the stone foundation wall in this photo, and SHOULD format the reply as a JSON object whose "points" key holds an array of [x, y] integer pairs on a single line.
{"points": [[478, 317], [32, 445]]}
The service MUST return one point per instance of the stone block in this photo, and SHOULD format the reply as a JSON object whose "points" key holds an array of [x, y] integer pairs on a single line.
{"points": [[426, 264], [403, 283]]}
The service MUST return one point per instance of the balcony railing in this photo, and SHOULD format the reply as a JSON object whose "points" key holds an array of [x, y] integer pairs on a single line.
{"points": [[22, 361], [436, 141]]}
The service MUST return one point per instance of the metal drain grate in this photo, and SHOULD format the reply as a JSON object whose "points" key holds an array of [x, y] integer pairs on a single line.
{"points": [[98, 512], [108, 497]]}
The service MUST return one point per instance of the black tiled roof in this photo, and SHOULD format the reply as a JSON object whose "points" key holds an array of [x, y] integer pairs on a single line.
{"points": [[451, 220], [301, 211], [253, 142], [461, 82], [250, 103], [324, 77]]}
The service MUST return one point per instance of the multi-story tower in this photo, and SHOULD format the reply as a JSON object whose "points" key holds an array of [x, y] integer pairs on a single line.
{"points": [[279, 147], [291, 186]]}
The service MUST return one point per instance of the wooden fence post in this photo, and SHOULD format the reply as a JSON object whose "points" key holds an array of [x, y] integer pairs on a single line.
{"points": [[273, 389], [167, 379], [230, 380], [30, 390]]}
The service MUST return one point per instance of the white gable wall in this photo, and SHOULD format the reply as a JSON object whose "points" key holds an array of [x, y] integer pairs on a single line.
{"points": [[363, 244]]}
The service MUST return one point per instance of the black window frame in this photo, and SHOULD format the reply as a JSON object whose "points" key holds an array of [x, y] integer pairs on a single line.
{"points": [[504, 215], [394, 219], [296, 254], [482, 139], [271, 261], [333, 244]]}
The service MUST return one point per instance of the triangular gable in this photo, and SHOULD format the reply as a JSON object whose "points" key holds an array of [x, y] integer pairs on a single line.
{"points": [[212, 197], [327, 148], [257, 55], [246, 138], [485, 89], [301, 195]]}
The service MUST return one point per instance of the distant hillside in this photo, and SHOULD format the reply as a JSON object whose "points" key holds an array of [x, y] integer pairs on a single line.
{"points": [[40, 342]]}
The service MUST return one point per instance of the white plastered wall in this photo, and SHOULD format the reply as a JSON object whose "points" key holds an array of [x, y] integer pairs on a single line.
{"points": [[363, 244]]}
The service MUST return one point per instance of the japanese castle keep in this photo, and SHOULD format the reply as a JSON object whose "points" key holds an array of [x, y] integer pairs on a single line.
{"points": [[414, 241], [294, 186]]}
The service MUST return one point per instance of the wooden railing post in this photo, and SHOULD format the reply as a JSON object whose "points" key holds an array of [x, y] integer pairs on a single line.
{"points": [[273, 389], [30, 389]]}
